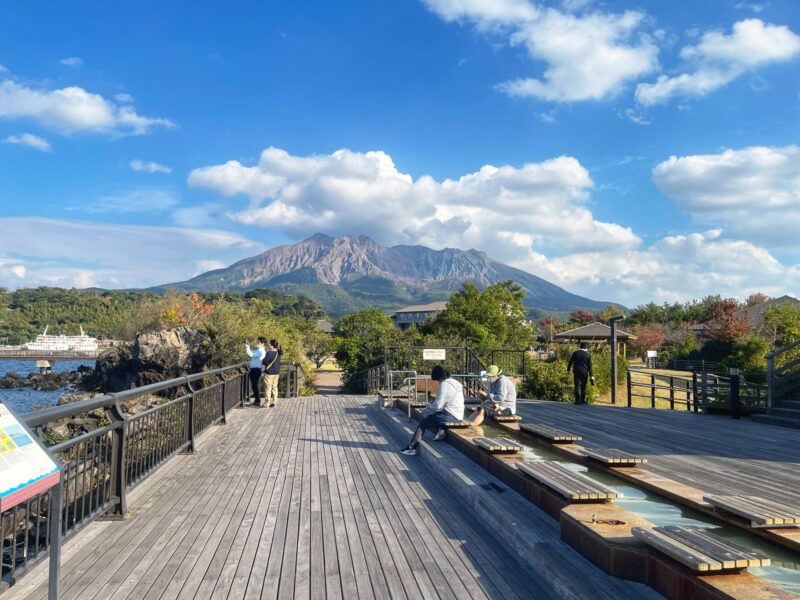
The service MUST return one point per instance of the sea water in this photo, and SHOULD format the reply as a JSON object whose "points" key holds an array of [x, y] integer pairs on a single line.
{"points": [[24, 399]]}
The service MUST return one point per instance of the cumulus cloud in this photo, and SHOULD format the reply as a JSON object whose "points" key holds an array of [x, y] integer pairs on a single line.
{"points": [[149, 167], [83, 254], [674, 268], [344, 192], [73, 110], [720, 58], [72, 61], [30, 140], [590, 56], [753, 192]]}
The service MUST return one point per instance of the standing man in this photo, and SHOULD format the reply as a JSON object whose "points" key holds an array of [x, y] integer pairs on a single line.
{"points": [[256, 356], [580, 363]]}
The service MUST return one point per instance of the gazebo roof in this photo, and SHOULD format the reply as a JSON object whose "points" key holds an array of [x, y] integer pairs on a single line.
{"points": [[593, 332]]}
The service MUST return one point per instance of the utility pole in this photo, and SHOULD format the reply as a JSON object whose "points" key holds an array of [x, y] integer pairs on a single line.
{"points": [[613, 322]]}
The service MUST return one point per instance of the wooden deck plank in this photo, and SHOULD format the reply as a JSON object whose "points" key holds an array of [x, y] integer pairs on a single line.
{"points": [[713, 453], [309, 500]]}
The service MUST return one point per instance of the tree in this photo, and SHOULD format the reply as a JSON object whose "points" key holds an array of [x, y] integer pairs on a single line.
{"points": [[319, 346], [485, 320], [725, 325], [548, 325], [782, 321], [581, 317], [365, 334], [649, 337], [757, 298], [750, 353], [612, 310]]}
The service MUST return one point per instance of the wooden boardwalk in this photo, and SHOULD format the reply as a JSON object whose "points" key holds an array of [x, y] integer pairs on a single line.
{"points": [[307, 500], [713, 453]]}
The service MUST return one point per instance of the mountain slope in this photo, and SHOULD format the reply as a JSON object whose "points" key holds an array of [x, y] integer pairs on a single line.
{"points": [[351, 272]]}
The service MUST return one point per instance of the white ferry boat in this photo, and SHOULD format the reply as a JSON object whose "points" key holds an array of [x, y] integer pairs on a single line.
{"points": [[62, 343]]}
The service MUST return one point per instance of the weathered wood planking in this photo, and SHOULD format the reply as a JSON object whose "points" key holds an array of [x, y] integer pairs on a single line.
{"points": [[506, 418], [306, 500], [551, 434], [613, 457], [699, 549], [499, 445], [713, 453], [455, 424], [568, 483], [759, 511]]}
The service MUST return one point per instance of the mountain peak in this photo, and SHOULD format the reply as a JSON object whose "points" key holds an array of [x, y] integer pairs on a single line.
{"points": [[369, 274]]}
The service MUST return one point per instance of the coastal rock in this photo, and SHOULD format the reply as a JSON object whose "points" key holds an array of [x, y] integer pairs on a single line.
{"points": [[154, 357], [12, 380]]}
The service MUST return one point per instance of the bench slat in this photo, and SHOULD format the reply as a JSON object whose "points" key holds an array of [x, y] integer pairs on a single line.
{"points": [[760, 512], [498, 444], [566, 482], [612, 456], [552, 434], [455, 424], [506, 418], [700, 549]]}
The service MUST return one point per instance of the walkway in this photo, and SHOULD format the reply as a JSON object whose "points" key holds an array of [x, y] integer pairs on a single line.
{"points": [[304, 501], [713, 453]]}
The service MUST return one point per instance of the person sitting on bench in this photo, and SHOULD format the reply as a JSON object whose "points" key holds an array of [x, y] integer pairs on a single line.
{"points": [[501, 399], [448, 406]]}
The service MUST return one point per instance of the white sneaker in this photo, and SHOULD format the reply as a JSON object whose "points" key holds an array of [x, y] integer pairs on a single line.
{"points": [[440, 435], [409, 451]]}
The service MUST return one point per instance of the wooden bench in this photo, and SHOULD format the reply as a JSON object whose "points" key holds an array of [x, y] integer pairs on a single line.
{"points": [[455, 424], [570, 484], [506, 418], [415, 404], [551, 434], [759, 512], [699, 549], [613, 457], [498, 445]]}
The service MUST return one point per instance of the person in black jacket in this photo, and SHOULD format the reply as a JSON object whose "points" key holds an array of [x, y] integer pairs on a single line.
{"points": [[272, 371], [580, 363]]}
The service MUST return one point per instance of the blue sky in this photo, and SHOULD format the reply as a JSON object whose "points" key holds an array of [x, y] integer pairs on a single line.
{"points": [[628, 151]]}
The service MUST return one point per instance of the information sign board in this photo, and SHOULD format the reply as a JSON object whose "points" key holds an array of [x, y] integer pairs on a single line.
{"points": [[434, 354], [26, 467]]}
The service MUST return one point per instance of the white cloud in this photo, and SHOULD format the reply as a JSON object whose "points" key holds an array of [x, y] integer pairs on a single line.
{"points": [[85, 254], [72, 61], [133, 200], [756, 8], [201, 266], [149, 167], [3, 69], [720, 58], [123, 98], [73, 110], [587, 57], [345, 192], [754, 192], [30, 140]]}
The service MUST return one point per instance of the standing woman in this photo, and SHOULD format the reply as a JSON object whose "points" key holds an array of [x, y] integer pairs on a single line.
{"points": [[256, 356], [272, 371]]}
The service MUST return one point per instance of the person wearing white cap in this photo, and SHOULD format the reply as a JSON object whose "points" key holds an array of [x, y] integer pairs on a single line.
{"points": [[501, 399]]}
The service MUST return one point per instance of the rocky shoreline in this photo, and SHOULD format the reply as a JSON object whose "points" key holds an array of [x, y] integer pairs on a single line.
{"points": [[45, 382]]}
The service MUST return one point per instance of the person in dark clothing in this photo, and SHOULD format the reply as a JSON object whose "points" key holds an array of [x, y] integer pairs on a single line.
{"points": [[272, 371], [580, 363]]}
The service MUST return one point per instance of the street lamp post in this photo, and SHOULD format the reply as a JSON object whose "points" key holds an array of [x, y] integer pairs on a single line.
{"points": [[613, 322]]}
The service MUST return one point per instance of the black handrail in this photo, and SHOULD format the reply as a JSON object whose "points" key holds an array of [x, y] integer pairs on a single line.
{"points": [[101, 465]]}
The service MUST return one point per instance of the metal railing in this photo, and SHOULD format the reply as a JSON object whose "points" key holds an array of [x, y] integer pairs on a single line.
{"points": [[119, 451], [290, 380], [715, 393], [512, 362], [702, 366]]}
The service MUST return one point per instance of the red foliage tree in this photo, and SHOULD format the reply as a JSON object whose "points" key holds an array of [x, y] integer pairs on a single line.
{"points": [[581, 317], [725, 325], [649, 337]]}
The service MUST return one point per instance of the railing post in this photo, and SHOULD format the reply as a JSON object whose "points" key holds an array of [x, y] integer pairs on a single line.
{"points": [[652, 390], [671, 392], [190, 420], [630, 392], [735, 394], [224, 406], [56, 504], [770, 374], [119, 484]]}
